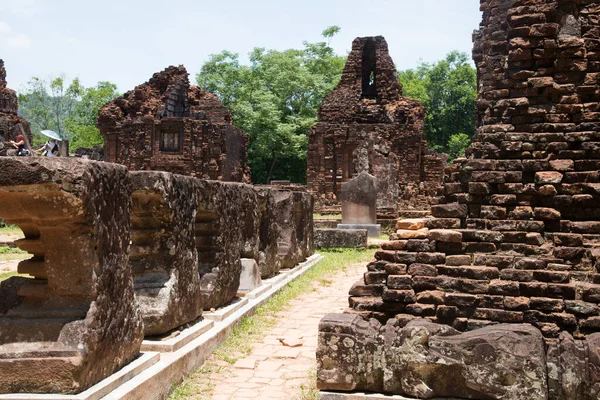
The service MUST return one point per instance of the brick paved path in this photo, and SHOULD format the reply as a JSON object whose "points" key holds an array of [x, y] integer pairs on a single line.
{"points": [[276, 371]]}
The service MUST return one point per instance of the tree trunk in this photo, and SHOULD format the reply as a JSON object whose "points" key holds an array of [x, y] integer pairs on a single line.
{"points": [[271, 170]]}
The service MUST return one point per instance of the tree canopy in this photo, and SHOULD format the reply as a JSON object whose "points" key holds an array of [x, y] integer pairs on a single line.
{"points": [[275, 99], [69, 109], [448, 90]]}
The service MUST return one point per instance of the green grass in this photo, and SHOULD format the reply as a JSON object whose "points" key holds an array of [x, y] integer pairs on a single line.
{"points": [[7, 275], [11, 230], [240, 342], [11, 250], [310, 391]]}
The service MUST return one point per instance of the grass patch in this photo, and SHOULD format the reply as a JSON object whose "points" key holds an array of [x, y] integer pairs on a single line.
{"points": [[310, 391], [11, 250], [11, 230], [6, 275], [240, 342]]}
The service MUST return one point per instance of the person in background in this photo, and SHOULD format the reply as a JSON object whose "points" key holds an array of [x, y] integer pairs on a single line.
{"points": [[49, 149], [20, 146]]}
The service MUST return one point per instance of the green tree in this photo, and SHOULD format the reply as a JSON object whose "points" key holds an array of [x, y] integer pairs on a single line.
{"points": [[49, 104], [457, 144], [275, 99], [82, 122], [448, 89]]}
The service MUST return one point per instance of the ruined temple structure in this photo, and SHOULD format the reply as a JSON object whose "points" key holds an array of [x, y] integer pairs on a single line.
{"points": [[366, 125], [513, 250], [11, 125], [166, 124]]}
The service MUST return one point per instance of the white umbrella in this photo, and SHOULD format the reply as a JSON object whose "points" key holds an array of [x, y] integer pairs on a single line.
{"points": [[51, 134]]}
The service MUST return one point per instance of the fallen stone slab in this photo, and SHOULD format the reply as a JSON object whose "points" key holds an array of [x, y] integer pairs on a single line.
{"points": [[77, 322]]}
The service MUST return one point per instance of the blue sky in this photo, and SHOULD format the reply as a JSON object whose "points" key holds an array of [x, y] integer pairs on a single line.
{"points": [[127, 41]]}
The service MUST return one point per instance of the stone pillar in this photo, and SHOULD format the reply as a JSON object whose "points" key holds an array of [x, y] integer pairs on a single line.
{"points": [[76, 321]]}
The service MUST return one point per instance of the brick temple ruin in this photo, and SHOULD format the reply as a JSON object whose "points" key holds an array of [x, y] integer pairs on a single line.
{"points": [[497, 295], [166, 124], [120, 255], [366, 125], [11, 125]]}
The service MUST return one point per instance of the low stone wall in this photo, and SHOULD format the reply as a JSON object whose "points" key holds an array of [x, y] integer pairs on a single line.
{"points": [[118, 255], [341, 238]]}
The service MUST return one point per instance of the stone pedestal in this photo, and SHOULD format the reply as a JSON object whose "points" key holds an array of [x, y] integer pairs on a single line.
{"points": [[373, 230], [76, 321]]}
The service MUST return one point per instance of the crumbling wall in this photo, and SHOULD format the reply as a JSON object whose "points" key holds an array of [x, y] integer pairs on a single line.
{"points": [[366, 125], [519, 239], [515, 238], [11, 125], [169, 125]]}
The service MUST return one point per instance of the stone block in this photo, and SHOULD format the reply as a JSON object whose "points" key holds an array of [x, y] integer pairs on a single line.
{"points": [[343, 238], [78, 321], [250, 275], [432, 355], [445, 235], [163, 255]]}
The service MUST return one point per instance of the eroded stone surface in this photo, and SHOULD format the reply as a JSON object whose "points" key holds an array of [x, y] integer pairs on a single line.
{"points": [[341, 238], [425, 360], [163, 253], [78, 321]]}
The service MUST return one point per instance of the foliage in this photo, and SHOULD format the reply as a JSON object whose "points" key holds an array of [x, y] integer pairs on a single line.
{"points": [[448, 89], [49, 104], [83, 121], [457, 144], [69, 110], [275, 99]]}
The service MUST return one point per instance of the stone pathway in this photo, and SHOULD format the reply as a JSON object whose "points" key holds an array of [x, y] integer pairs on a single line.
{"points": [[284, 362]]}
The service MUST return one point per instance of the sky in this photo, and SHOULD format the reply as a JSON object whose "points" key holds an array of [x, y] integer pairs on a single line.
{"points": [[126, 41]]}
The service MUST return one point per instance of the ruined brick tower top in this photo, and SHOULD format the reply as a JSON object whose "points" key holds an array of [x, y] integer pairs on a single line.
{"points": [[368, 87], [166, 94], [166, 124], [8, 97], [2, 75], [366, 125]]}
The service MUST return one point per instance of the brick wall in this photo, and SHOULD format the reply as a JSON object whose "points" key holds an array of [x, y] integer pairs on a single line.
{"points": [[365, 124], [169, 125], [516, 236]]}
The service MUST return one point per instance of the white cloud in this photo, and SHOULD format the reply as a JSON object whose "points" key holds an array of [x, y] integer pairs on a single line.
{"points": [[4, 27], [19, 41]]}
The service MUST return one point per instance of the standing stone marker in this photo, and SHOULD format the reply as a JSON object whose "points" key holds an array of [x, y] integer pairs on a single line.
{"points": [[359, 204]]}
